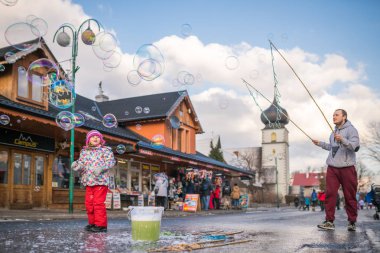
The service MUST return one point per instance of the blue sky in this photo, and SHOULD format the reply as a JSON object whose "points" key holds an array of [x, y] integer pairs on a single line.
{"points": [[350, 28]]}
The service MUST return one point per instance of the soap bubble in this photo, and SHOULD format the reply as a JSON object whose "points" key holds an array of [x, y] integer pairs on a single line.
{"points": [[109, 120], [62, 94], [4, 119], [120, 149], [65, 120]]}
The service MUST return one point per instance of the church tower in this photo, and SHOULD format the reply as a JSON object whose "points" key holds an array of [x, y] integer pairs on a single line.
{"points": [[275, 151]]}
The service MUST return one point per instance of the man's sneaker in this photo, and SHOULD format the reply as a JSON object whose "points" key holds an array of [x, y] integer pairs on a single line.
{"points": [[89, 227], [97, 229], [351, 226], [327, 225]]}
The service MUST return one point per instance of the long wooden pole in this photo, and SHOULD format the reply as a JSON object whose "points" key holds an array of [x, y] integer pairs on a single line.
{"points": [[271, 43]]}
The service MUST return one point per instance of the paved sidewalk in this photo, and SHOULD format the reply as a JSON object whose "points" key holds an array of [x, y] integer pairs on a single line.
{"points": [[54, 214]]}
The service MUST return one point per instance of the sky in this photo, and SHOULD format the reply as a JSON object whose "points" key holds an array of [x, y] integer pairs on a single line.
{"points": [[332, 45]]}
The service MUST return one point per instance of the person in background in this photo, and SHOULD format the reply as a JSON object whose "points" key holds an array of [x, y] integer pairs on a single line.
{"points": [[361, 204], [337, 201], [322, 199], [368, 198], [307, 203], [217, 197], [314, 199], [235, 196], [205, 190], [161, 190], [94, 163], [296, 202]]}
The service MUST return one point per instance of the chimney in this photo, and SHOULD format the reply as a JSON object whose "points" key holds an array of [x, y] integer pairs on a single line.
{"points": [[101, 97]]}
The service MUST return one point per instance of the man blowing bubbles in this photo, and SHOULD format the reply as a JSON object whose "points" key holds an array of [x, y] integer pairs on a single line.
{"points": [[343, 144]]}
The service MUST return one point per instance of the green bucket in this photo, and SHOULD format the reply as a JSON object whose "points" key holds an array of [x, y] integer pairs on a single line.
{"points": [[146, 222]]}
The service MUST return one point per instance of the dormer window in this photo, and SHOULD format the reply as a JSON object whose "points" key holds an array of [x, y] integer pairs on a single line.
{"points": [[29, 89]]}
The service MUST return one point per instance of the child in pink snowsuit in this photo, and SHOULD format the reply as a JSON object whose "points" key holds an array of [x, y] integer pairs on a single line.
{"points": [[94, 162]]}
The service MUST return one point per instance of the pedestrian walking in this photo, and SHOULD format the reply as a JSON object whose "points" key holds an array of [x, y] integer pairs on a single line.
{"points": [[235, 196], [343, 144], [307, 203], [361, 204], [94, 163], [322, 199], [314, 199]]}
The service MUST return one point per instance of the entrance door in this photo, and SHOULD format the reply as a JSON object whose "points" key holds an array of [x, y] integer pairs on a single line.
{"points": [[38, 182], [21, 195]]}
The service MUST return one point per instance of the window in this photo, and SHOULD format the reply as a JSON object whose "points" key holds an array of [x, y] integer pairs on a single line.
{"points": [[3, 167], [31, 89], [61, 173], [22, 166], [39, 170], [22, 88], [179, 139], [273, 137]]}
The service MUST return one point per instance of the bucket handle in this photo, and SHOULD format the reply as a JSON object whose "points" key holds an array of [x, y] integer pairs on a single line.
{"points": [[129, 213]]}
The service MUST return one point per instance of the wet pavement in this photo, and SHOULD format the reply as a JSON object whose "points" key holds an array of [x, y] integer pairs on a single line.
{"points": [[269, 230]]}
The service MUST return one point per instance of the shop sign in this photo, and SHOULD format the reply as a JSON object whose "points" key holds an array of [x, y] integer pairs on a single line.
{"points": [[192, 203], [175, 158], [116, 200], [146, 152], [244, 201], [155, 168], [26, 140], [145, 166], [108, 201], [192, 162]]}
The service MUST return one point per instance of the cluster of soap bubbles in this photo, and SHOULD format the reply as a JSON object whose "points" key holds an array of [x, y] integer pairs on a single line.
{"points": [[139, 110], [148, 63], [26, 35], [104, 46], [67, 120], [186, 78]]}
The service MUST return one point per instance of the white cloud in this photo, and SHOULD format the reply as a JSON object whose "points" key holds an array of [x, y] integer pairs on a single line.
{"points": [[222, 101]]}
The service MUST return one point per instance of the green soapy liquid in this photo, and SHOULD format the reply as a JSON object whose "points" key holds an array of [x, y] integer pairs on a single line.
{"points": [[146, 230]]}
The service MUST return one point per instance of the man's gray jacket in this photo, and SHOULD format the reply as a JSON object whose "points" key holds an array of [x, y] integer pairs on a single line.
{"points": [[342, 154]]}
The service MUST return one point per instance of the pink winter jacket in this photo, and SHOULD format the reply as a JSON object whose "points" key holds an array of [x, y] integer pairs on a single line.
{"points": [[94, 163]]}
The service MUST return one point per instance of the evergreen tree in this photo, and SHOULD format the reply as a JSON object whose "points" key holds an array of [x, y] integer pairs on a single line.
{"points": [[216, 152]]}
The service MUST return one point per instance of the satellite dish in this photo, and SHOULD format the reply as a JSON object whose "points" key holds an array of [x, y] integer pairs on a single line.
{"points": [[174, 122]]}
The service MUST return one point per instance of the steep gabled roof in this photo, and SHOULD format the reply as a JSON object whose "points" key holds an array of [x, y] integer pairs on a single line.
{"points": [[125, 109], [160, 106]]}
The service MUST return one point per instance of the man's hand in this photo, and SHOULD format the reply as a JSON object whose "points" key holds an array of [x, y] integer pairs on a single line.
{"points": [[316, 142], [338, 137]]}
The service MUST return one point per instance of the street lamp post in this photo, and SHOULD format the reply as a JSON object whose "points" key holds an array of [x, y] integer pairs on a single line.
{"points": [[278, 203], [63, 39]]}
